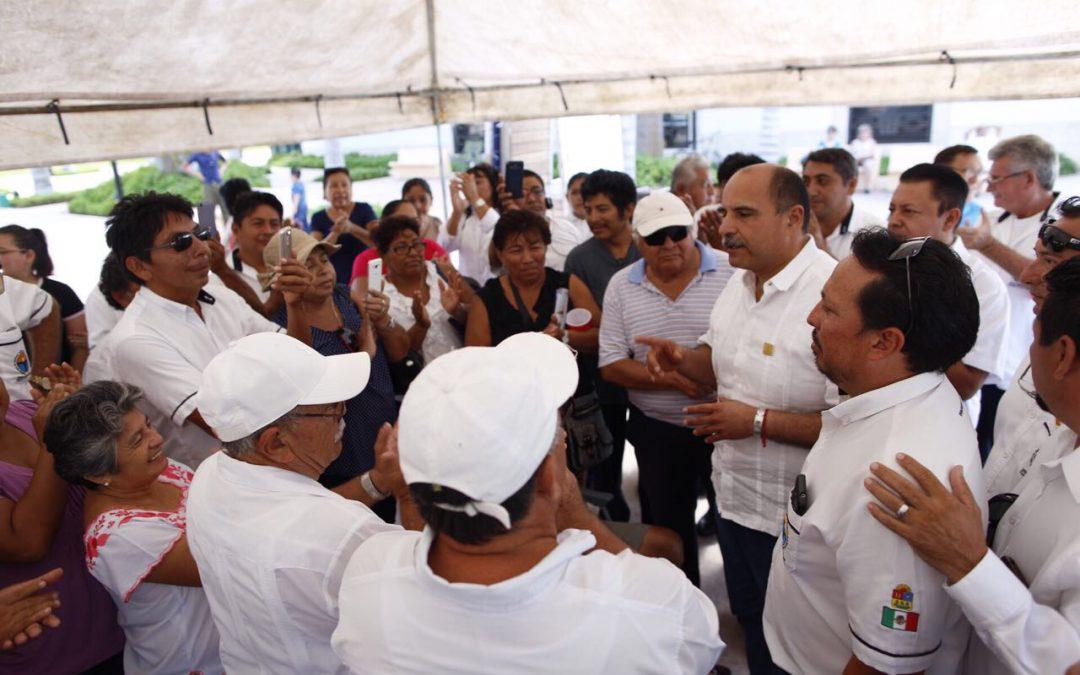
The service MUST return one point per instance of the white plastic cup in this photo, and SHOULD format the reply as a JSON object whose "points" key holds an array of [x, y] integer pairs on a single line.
{"points": [[578, 318]]}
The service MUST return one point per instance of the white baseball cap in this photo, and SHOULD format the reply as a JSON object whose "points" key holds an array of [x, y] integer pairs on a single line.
{"points": [[659, 210], [259, 378], [480, 420]]}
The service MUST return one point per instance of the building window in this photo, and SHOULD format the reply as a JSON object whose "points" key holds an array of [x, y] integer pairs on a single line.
{"points": [[678, 130]]}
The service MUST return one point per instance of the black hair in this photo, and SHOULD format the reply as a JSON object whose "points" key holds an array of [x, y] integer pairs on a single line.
{"points": [[530, 172], [295, 171], [414, 182], [734, 162], [1070, 208], [390, 228], [1060, 313], [842, 162], [32, 239], [950, 153], [231, 190], [335, 169], [516, 223], [581, 175], [787, 189], [391, 206], [615, 185], [249, 201], [136, 220], [461, 527], [113, 279], [946, 319], [949, 188]]}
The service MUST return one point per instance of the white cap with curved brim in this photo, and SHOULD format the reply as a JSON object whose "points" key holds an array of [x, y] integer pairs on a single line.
{"points": [[480, 420], [659, 210], [259, 378]]}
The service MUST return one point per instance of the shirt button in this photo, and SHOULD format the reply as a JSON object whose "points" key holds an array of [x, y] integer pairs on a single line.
{"points": [[1013, 519]]}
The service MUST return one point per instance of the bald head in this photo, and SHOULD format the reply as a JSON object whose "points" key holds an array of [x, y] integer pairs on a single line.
{"points": [[784, 187]]}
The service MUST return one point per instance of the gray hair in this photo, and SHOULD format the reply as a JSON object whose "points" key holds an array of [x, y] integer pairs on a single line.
{"points": [[246, 445], [686, 169], [1031, 152], [83, 430]]}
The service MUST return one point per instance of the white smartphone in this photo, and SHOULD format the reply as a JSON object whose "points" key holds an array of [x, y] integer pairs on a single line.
{"points": [[375, 275], [562, 301]]}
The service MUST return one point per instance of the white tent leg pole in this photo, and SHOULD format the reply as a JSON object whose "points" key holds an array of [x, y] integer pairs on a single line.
{"points": [[429, 5]]}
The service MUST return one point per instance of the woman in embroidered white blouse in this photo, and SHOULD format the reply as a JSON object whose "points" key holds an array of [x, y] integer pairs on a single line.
{"points": [[135, 516]]}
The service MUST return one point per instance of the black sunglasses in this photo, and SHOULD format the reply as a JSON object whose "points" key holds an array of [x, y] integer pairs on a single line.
{"points": [[676, 233], [183, 241], [1057, 239], [906, 251]]}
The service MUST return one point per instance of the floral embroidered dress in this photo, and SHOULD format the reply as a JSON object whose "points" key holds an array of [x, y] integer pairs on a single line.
{"points": [[168, 628]]}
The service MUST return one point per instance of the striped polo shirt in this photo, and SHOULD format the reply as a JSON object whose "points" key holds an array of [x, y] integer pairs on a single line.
{"points": [[633, 306]]}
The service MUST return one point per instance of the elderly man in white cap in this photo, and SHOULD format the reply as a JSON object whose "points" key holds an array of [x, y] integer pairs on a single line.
{"points": [[502, 580], [668, 294], [270, 541]]}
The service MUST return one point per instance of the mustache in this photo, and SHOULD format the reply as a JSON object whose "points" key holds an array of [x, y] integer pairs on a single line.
{"points": [[732, 241]]}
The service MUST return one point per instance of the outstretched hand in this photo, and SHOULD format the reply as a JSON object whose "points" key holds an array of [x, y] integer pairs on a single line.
{"points": [[26, 609]]}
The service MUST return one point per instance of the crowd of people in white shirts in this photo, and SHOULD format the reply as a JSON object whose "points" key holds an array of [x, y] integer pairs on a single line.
{"points": [[328, 448]]}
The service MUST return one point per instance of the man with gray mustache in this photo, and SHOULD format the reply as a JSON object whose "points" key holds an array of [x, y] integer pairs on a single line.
{"points": [[769, 391]]}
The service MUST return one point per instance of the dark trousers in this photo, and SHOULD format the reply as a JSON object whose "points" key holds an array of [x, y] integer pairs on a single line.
{"points": [[747, 558], [991, 397], [672, 462], [607, 475]]}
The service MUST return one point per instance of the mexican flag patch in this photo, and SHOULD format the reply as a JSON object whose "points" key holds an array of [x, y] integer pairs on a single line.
{"points": [[898, 620]]}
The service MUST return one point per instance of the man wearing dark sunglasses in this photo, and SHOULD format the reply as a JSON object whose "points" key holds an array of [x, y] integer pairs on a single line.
{"points": [[174, 327], [844, 594], [929, 202], [1024, 433], [1020, 590], [668, 294]]}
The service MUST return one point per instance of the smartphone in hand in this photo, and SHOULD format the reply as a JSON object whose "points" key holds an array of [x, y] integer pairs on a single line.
{"points": [[375, 274], [285, 244], [515, 174]]}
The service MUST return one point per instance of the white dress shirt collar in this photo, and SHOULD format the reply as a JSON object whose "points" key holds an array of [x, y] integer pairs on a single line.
{"points": [[871, 403], [1069, 467], [269, 478], [787, 277]]}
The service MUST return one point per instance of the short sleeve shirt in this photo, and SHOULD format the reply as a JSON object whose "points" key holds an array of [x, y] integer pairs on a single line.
{"points": [[761, 356], [343, 258], [122, 547], [208, 166], [70, 307], [633, 306], [163, 346], [100, 316], [990, 352], [839, 242], [840, 582], [22, 307]]}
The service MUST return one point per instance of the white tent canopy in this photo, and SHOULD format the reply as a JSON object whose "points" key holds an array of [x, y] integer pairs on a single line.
{"points": [[129, 80]]}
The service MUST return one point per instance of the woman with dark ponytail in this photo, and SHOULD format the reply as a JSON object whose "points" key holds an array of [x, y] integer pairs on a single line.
{"points": [[24, 255]]}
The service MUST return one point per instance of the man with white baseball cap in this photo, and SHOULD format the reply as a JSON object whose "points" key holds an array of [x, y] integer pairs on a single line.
{"points": [[270, 541], [502, 579], [668, 294]]}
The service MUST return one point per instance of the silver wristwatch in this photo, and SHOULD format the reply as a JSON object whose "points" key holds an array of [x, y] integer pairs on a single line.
{"points": [[369, 487], [759, 421], [478, 203]]}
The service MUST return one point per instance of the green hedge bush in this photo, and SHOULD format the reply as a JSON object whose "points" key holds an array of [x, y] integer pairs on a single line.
{"points": [[99, 200], [655, 171], [39, 200]]}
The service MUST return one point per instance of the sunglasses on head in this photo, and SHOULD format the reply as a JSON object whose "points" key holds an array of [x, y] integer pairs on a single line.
{"points": [[906, 251], [676, 233], [183, 241], [1057, 239]]}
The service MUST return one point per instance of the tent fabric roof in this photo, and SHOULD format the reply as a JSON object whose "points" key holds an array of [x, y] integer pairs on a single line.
{"points": [[136, 80]]}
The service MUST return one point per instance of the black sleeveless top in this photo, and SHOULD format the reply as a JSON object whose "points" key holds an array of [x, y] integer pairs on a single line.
{"points": [[504, 318]]}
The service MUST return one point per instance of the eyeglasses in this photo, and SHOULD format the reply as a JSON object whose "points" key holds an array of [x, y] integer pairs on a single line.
{"points": [[676, 233], [1053, 237], [338, 411], [991, 181], [906, 251], [402, 249], [183, 241]]}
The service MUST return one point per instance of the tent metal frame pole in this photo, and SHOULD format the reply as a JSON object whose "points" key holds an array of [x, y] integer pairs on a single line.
{"points": [[436, 105], [437, 91]]}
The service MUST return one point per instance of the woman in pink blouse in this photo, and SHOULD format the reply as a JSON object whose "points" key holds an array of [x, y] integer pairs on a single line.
{"points": [[135, 518]]}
